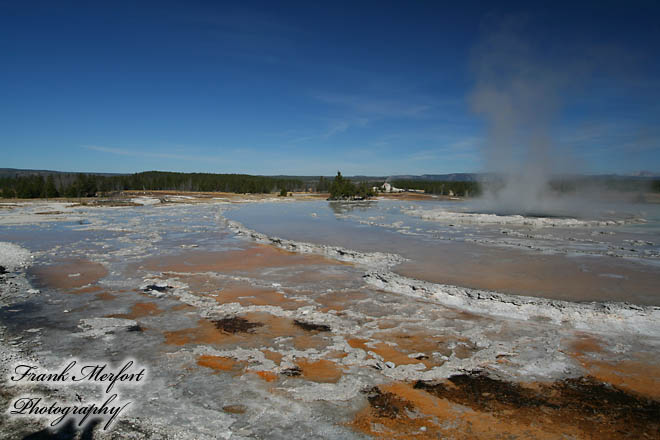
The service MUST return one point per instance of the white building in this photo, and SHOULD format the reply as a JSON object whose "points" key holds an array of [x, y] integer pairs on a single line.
{"points": [[390, 189]]}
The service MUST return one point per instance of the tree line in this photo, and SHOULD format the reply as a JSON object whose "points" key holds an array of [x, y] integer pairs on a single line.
{"points": [[343, 189], [559, 185], [607, 183], [90, 185], [444, 188]]}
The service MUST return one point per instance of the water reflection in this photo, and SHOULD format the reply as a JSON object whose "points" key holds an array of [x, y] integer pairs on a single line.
{"points": [[342, 208]]}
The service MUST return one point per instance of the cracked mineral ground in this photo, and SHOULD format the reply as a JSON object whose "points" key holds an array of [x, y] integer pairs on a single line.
{"points": [[260, 318]]}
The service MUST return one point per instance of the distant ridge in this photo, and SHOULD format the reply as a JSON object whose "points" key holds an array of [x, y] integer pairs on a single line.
{"points": [[474, 177], [12, 172], [454, 177]]}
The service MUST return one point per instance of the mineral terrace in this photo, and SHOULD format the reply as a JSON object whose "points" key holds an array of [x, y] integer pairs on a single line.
{"points": [[247, 335]]}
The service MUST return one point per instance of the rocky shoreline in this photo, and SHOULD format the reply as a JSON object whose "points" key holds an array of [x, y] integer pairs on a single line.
{"points": [[598, 316], [595, 316], [372, 259], [442, 215]]}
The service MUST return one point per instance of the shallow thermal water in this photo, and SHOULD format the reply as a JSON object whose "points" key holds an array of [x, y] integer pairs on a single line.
{"points": [[584, 262], [243, 339]]}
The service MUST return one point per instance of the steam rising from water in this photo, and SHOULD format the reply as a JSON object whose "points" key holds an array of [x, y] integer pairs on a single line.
{"points": [[518, 92]]}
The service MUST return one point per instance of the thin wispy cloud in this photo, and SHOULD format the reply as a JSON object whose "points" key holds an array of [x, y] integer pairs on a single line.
{"points": [[614, 136], [250, 35], [363, 110], [334, 127], [460, 148], [375, 107], [150, 154]]}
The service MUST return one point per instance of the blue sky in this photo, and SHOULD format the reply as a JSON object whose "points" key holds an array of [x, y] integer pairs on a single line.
{"points": [[374, 88]]}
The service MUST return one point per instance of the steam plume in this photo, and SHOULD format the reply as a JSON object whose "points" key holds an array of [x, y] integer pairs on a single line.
{"points": [[518, 90]]}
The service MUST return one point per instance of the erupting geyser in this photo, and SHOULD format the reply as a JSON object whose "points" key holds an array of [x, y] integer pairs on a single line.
{"points": [[518, 92]]}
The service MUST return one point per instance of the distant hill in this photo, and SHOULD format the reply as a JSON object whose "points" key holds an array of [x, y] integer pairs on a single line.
{"points": [[636, 176], [475, 177], [646, 174], [13, 172], [454, 177]]}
